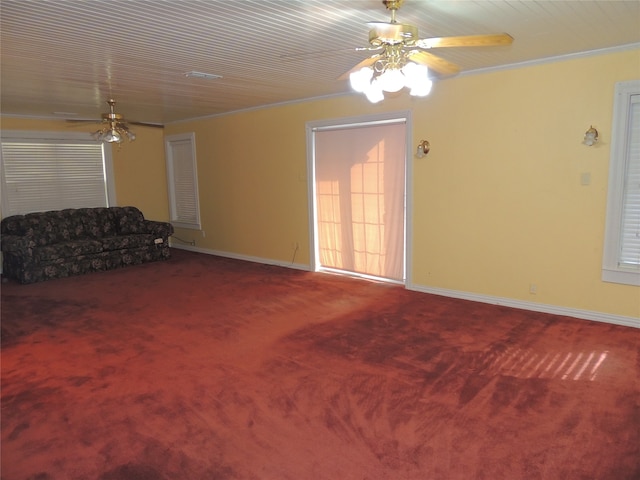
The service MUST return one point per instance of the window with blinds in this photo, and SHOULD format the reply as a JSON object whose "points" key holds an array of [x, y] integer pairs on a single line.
{"points": [[53, 171], [621, 263], [182, 177], [630, 228]]}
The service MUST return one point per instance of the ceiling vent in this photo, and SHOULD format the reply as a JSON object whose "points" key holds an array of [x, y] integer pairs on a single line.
{"points": [[206, 76]]}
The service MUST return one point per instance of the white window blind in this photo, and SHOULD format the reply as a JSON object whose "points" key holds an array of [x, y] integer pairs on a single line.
{"points": [[630, 229], [621, 259], [183, 181], [40, 174]]}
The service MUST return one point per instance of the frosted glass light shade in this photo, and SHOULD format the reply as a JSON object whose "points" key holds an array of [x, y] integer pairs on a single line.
{"points": [[112, 136], [391, 80], [374, 92], [417, 79], [361, 79], [421, 90]]}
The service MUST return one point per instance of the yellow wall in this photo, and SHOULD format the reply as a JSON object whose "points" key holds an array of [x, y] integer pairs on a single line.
{"points": [[498, 204], [504, 184], [139, 167]]}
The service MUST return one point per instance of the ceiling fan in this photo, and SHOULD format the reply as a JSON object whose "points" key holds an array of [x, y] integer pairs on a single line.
{"points": [[402, 59], [114, 126]]}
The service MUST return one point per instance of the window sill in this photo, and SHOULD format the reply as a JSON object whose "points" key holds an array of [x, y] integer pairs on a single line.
{"points": [[626, 277]]}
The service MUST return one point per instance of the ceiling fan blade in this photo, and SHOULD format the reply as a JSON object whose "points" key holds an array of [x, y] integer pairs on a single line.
{"points": [[498, 39], [112, 119], [78, 122], [144, 124], [435, 63], [122, 123], [367, 62]]}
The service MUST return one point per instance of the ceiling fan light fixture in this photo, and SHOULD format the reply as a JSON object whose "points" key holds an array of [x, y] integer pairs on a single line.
{"points": [[113, 134], [115, 128], [374, 83], [403, 60]]}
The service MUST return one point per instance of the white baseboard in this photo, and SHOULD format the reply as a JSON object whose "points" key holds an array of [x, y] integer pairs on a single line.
{"points": [[535, 307], [507, 302], [265, 261]]}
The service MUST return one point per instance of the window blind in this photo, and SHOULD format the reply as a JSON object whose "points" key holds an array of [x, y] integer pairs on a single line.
{"points": [[183, 181], [630, 224], [40, 175], [359, 204]]}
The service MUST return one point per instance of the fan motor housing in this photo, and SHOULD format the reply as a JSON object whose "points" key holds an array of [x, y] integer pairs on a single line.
{"points": [[392, 34], [111, 116]]}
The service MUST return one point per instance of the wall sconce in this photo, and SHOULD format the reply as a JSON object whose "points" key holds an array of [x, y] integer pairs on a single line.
{"points": [[423, 148], [590, 137]]}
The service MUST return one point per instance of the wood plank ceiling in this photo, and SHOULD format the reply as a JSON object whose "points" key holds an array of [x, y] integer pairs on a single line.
{"points": [[70, 56]]}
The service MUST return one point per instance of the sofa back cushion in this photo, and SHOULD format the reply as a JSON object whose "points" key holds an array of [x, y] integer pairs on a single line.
{"points": [[92, 223], [48, 228], [129, 220]]}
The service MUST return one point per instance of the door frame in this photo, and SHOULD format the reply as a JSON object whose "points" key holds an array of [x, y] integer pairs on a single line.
{"points": [[403, 116]]}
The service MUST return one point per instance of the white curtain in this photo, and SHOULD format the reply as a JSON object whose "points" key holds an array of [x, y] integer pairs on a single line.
{"points": [[360, 193]]}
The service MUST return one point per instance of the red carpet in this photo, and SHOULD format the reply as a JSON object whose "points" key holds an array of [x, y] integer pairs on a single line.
{"points": [[209, 368]]}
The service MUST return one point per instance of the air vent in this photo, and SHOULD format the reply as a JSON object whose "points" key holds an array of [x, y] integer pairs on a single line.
{"points": [[206, 76]]}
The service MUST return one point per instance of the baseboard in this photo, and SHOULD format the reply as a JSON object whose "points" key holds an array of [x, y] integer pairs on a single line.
{"points": [[535, 307], [248, 258], [507, 302]]}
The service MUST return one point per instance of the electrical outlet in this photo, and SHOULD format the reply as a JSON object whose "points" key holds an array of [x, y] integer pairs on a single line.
{"points": [[533, 289], [295, 245]]}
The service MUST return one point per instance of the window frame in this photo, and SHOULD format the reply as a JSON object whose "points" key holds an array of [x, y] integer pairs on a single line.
{"points": [[58, 137], [612, 271], [171, 181]]}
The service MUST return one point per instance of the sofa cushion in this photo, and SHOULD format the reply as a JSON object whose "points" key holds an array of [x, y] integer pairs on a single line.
{"points": [[129, 220], [127, 241], [92, 223], [48, 228], [48, 253]]}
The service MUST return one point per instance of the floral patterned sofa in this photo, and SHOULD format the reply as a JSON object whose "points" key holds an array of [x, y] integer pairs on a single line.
{"points": [[55, 244]]}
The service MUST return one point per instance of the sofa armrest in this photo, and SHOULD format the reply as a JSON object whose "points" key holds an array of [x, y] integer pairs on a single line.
{"points": [[159, 229], [17, 244]]}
